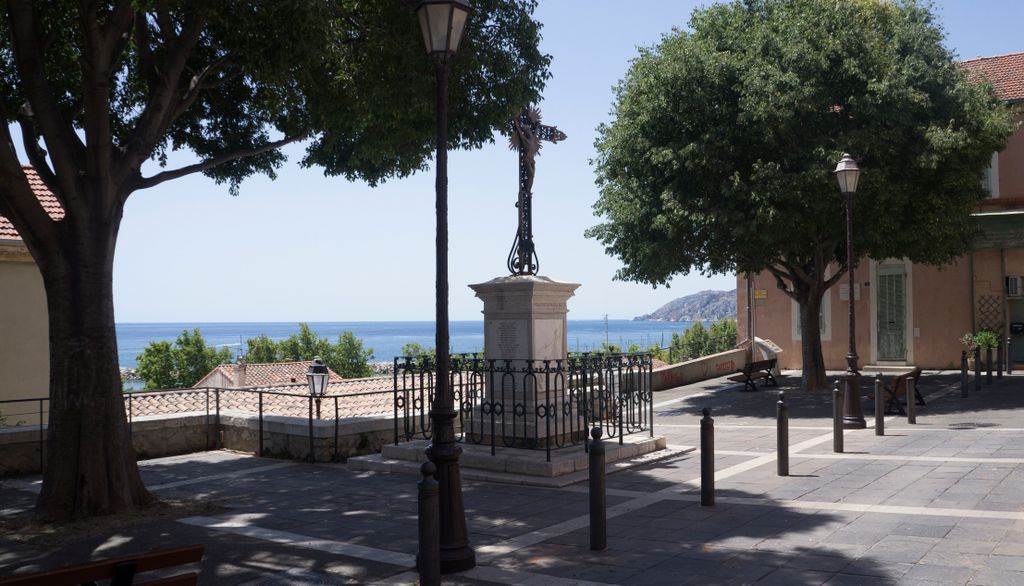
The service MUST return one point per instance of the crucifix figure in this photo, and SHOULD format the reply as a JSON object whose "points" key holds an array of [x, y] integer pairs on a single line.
{"points": [[526, 135]]}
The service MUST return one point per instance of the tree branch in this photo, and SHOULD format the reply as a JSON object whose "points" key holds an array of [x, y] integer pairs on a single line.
{"points": [[835, 278], [780, 276], [66, 149], [19, 203], [147, 182], [36, 154]]}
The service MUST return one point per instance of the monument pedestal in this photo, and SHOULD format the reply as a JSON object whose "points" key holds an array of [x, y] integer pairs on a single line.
{"points": [[525, 336]]}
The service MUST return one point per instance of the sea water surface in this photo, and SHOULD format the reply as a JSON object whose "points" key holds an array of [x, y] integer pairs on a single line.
{"points": [[387, 338]]}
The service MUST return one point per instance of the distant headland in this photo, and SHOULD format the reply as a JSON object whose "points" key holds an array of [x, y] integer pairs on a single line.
{"points": [[705, 305]]}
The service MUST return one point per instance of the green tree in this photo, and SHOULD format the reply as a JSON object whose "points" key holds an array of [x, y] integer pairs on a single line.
{"points": [[722, 335], [418, 350], [348, 357], [261, 349], [101, 89], [720, 153], [163, 366], [304, 345]]}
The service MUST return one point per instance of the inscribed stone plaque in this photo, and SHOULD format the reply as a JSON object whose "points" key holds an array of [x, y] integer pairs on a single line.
{"points": [[548, 339], [508, 337]]}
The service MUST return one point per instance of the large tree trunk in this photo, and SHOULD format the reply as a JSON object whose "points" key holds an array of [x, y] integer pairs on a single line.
{"points": [[810, 340], [91, 466]]}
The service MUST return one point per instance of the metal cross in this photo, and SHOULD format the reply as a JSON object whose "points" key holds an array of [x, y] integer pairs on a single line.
{"points": [[526, 135]]}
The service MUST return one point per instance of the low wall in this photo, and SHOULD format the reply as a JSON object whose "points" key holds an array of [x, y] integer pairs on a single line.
{"points": [[698, 369], [182, 433]]}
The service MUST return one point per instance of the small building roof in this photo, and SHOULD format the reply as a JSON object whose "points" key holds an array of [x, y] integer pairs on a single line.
{"points": [[264, 374], [46, 199], [1004, 72]]}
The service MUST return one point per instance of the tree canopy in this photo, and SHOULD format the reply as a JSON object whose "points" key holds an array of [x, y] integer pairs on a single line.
{"points": [[347, 357], [165, 366], [720, 155], [99, 90]]}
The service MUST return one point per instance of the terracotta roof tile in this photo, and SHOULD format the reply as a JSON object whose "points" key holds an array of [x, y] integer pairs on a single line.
{"points": [[1004, 72], [46, 199], [263, 374]]}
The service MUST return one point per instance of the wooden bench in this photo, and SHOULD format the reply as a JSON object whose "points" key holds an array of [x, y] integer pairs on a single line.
{"points": [[897, 388], [756, 370], [121, 570]]}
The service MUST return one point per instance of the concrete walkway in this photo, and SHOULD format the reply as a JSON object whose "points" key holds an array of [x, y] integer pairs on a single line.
{"points": [[941, 501]]}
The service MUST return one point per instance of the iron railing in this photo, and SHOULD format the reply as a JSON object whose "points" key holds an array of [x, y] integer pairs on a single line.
{"points": [[281, 401], [532, 404]]}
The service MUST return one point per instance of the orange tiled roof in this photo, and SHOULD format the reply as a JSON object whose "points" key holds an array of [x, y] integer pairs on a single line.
{"points": [[263, 374], [1004, 72], [46, 199]]}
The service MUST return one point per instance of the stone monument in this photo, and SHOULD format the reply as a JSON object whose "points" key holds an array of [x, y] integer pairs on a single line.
{"points": [[525, 314]]}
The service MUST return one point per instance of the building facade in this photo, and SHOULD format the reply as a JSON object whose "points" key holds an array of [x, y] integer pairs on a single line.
{"points": [[912, 314]]}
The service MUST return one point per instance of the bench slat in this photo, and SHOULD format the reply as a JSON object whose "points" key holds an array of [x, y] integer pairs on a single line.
{"points": [[104, 569]]}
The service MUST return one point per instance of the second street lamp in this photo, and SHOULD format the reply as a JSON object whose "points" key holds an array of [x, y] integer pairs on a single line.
{"points": [[316, 378], [847, 174], [442, 23]]}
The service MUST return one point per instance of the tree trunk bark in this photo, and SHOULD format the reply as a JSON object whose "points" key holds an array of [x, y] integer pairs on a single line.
{"points": [[810, 341], [91, 465]]}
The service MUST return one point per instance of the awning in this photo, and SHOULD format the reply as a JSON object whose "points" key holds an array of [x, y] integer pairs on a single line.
{"points": [[1000, 229]]}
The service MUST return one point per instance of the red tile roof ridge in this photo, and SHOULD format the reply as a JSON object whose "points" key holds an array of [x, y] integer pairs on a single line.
{"points": [[984, 57]]}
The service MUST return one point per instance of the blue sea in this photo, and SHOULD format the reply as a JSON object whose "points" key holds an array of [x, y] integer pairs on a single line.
{"points": [[387, 338]]}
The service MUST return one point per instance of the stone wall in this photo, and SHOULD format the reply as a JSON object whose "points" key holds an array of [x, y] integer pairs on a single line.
{"points": [[168, 435], [698, 369]]}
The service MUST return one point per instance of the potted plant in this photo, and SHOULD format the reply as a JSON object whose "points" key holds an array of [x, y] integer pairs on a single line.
{"points": [[969, 342]]}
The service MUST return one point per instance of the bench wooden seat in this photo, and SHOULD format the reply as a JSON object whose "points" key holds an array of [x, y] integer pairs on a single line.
{"points": [[897, 389], [121, 570], [760, 369]]}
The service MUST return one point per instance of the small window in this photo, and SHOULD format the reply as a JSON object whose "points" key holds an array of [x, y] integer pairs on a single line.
{"points": [[990, 180], [824, 318]]}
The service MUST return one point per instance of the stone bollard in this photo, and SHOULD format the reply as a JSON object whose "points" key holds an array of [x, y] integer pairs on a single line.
{"points": [[911, 401], [988, 366], [963, 374], [837, 419], [879, 406], [707, 459], [977, 369], [782, 428], [598, 497], [428, 558]]}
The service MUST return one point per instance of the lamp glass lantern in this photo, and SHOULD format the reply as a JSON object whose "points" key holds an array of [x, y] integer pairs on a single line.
{"points": [[442, 23], [316, 376], [847, 174]]}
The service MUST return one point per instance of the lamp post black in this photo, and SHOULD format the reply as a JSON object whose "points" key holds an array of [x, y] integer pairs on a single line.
{"points": [[442, 23], [847, 173], [316, 378]]}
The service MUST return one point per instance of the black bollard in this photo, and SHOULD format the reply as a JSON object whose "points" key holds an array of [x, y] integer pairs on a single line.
{"points": [[963, 374], [707, 459], [911, 401], [1009, 357], [782, 441], [879, 406], [598, 498], [999, 361], [428, 558], [977, 368], [988, 366], [837, 419]]}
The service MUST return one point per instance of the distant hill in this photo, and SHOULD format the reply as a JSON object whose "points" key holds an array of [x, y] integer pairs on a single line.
{"points": [[713, 305]]}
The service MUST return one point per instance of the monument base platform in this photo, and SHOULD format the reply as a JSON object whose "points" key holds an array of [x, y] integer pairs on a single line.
{"points": [[527, 467]]}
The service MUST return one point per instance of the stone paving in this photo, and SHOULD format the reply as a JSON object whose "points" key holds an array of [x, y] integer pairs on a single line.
{"points": [[936, 502]]}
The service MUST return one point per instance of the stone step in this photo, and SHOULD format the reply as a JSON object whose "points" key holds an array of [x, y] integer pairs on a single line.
{"points": [[378, 463], [872, 369]]}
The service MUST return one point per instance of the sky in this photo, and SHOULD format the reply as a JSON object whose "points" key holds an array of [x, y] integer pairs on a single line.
{"points": [[312, 248]]}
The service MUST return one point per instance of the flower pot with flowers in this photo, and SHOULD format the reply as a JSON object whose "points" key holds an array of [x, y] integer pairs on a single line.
{"points": [[969, 342]]}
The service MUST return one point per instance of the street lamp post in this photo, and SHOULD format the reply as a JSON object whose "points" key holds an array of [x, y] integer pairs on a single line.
{"points": [[316, 378], [847, 173], [442, 23]]}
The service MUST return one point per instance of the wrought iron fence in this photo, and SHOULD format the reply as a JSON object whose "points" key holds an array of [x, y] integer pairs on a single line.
{"points": [[532, 404]]}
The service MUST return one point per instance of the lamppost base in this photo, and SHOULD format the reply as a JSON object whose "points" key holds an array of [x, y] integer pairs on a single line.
{"points": [[853, 416], [457, 560]]}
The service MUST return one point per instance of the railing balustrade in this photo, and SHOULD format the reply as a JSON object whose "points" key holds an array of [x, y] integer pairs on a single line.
{"points": [[531, 404]]}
